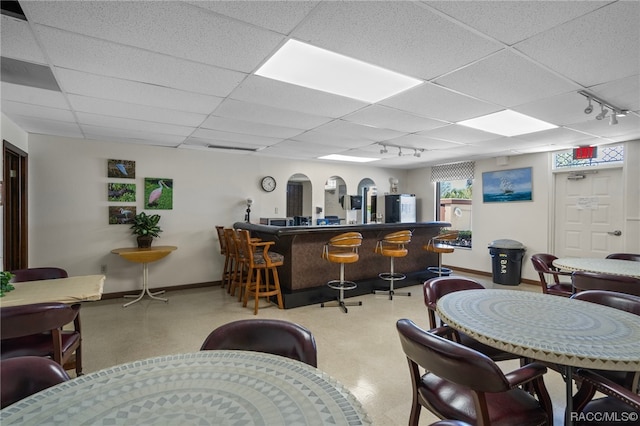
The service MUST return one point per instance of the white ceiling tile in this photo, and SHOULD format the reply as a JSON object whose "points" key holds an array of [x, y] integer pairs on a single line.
{"points": [[559, 110], [136, 125], [174, 28], [234, 137], [514, 21], [420, 141], [556, 136], [17, 41], [389, 118], [628, 126], [458, 134], [334, 140], [398, 35], [357, 131], [74, 51], [506, 79], [136, 112], [33, 96], [432, 101], [35, 111], [239, 110], [129, 135], [623, 93], [599, 47], [47, 127], [280, 16], [95, 86], [249, 128], [265, 91]]}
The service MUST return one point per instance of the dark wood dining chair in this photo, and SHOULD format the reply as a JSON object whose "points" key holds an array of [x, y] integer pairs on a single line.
{"points": [[37, 330], [222, 242], [23, 376], [596, 281], [466, 385], [35, 274], [434, 289], [272, 336], [543, 265], [618, 403], [624, 256]]}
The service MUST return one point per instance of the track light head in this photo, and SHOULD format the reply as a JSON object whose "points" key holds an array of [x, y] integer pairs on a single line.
{"points": [[613, 119], [416, 153], [383, 150], [589, 108], [603, 113], [399, 151]]}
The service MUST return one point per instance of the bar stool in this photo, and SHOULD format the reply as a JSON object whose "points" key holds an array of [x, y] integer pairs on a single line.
{"points": [[438, 244], [342, 249], [393, 245], [226, 271]]}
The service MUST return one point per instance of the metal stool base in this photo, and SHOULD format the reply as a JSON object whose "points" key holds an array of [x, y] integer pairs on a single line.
{"points": [[392, 277]]}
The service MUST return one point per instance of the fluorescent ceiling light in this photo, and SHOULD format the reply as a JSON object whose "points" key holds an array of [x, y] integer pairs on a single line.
{"points": [[507, 123], [315, 68], [338, 157]]}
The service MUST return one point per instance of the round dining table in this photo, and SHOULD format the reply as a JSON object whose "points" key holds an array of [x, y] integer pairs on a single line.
{"points": [[221, 387], [627, 268]]}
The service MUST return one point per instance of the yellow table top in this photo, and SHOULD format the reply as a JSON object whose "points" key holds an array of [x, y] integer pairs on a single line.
{"points": [[144, 255], [63, 290]]}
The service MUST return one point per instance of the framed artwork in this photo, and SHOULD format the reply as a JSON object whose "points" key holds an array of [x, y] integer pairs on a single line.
{"points": [[121, 192], [158, 193], [507, 185], [121, 169], [121, 215]]}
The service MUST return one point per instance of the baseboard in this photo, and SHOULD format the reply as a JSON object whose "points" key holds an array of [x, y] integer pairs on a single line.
{"points": [[120, 294]]}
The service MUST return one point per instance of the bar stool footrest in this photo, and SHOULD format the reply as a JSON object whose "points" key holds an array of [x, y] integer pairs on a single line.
{"points": [[344, 285], [392, 276]]}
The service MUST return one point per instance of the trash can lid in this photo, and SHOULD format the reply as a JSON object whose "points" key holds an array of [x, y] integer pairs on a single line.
{"points": [[506, 244]]}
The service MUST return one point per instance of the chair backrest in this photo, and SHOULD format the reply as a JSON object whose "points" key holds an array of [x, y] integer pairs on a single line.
{"points": [[624, 302], [611, 390], [23, 376], [450, 360], [26, 320], [230, 239], [398, 237], [222, 240], [277, 337], [543, 263], [35, 274], [624, 256], [348, 242], [593, 281], [435, 288]]}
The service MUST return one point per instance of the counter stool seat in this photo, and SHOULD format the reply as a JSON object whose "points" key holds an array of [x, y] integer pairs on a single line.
{"points": [[342, 249], [392, 246], [438, 244]]}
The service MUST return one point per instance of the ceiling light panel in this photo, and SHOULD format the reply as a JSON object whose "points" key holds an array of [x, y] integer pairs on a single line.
{"points": [[348, 158], [507, 123], [315, 68]]}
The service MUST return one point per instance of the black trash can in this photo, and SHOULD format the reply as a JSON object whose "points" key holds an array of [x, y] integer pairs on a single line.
{"points": [[506, 261]]}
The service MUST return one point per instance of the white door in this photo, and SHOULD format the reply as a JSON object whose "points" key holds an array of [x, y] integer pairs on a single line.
{"points": [[588, 213]]}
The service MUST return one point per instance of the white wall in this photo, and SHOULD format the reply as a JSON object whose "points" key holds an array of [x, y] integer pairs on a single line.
{"points": [[68, 204]]}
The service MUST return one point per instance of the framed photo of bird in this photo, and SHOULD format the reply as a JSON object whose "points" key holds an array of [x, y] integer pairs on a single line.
{"points": [[158, 193], [121, 215], [121, 169], [121, 192]]}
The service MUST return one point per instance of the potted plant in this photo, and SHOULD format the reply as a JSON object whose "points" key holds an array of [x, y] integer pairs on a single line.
{"points": [[5, 278], [146, 228]]}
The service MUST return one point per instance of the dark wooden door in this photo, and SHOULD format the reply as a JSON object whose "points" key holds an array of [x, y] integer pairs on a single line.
{"points": [[14, 198], [294, 199]]}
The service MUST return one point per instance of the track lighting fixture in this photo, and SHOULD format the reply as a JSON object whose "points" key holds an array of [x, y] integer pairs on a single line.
{"points": [[399, 151], [383, 150], [605, 108], [417, 152]]}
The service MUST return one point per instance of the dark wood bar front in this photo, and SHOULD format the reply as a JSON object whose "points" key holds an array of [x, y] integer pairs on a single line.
{"points": [[304, 275]]}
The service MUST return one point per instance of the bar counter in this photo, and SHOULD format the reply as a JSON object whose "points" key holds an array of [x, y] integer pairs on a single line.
{"points": [[304, 275]]}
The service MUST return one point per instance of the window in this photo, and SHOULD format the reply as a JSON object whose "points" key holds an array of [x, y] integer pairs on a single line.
{"points": [[608, 154], [454, 189]]}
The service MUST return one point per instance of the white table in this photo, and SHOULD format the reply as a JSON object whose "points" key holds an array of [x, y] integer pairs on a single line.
{"points": [[628, 268], [63, 290], [563, 331], [202, 388]]}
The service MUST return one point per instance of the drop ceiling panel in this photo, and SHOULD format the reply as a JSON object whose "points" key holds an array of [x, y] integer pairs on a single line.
{"points": [[131, 136], [352, 130], [35, 111], [265, 91], [18, 42], [33, 96], [249, 128], [135, 125], [234, 137], [623, 93], [420, 141], [95, 86], [593, 49], [506, 79], [560, 110], [240, 110], [73, 51], [393, 35], [390, 118], [626, 126], [47, 127], [458, 134], [335, 140], [559, 136]]}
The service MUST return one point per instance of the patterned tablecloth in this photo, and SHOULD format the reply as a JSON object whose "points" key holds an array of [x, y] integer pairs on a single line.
{"points": [[63, 290], [203, 388], [546, 327], [628, 268]]}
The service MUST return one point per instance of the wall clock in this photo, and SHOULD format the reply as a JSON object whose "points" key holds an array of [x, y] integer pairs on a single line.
{"points": [[268, 183]]}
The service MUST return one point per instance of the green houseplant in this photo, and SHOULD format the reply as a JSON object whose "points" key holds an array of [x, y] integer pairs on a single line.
{"points": [[146, 228], [5, 287]]}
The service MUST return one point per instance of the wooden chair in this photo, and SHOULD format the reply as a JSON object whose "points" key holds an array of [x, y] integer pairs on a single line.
{"points": [[624, 256], [35, 274], [37, 330], [543, 265], [222, 240], [23, 376], [439, 245], [463, 384], [342, 249], [272, 336], [237, 263], [262, 267], [594, 281], [434, 289], [393, 246], [618, 401]]}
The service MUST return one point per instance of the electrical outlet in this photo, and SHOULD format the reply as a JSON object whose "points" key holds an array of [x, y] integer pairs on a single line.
{"points": [[103, 269]]}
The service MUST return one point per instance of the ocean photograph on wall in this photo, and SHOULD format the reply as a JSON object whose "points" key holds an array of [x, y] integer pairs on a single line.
{"points": [[507, 185]]}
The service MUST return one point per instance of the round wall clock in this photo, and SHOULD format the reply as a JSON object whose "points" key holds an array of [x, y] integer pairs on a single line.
{"points": [[268, 183]]}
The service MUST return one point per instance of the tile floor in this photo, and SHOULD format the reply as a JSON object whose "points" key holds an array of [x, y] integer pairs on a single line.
{"points": [[360, 349]]}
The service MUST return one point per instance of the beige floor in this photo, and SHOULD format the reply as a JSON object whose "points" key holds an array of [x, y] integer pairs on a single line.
{"points": [[360, 349]]}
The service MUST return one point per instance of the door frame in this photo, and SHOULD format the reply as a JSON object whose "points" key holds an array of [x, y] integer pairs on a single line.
{"points": [[15, 203]]}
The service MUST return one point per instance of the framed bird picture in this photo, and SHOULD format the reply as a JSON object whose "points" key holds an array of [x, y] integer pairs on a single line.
{"points": [[121, 169], [121, 215], [121, 192], [158, 193]]}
